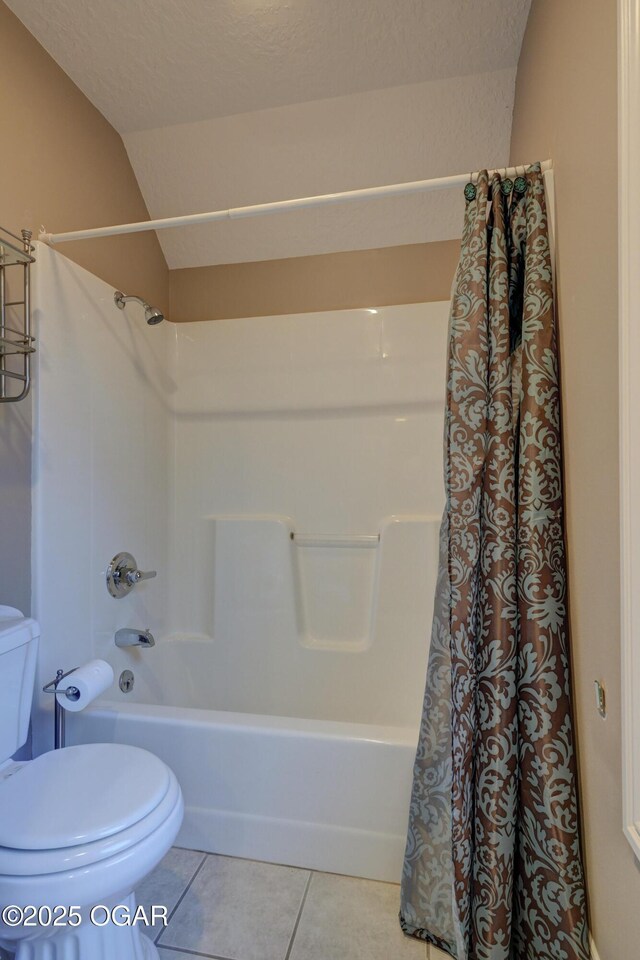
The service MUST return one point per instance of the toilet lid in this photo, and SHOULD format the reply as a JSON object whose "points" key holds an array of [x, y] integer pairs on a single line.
{"points": [[79, 794]]}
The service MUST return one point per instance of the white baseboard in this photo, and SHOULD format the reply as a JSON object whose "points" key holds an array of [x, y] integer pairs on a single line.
{"points": [[594, 953]]}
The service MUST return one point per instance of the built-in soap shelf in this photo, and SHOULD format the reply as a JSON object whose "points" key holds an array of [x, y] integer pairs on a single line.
{"points": [[329, 591], [333, 540], [335, 584]]}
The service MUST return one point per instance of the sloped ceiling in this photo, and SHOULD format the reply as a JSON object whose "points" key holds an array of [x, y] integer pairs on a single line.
{"points": [[230, 102]]}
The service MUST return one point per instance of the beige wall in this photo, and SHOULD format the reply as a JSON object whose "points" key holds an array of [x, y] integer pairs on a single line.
{"points": [[64, 166], [411, 273], [565, 108]]}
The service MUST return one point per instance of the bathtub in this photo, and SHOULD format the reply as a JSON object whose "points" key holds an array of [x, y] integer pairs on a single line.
{"points": [[284, 478], [319, 794]]}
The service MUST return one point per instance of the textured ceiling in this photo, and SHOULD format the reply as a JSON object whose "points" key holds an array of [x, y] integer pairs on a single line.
{"points": [[385, 136], [153, 63], [230, 102]]}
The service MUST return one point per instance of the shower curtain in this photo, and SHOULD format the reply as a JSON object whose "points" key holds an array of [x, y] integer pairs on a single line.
{"points": [[493, 866]]}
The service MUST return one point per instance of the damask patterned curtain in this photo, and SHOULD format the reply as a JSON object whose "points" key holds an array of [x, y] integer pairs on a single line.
{"points": [[493, 866]]}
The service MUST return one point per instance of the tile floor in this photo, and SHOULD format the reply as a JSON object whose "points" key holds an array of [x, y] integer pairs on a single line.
{"points": [[229, 909]]}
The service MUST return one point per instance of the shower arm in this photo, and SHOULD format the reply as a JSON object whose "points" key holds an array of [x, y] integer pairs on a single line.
{"points": [[151, 314], [120, 299]]}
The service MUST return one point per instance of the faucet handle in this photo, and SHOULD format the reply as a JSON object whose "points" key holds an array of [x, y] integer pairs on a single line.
{"points": [[123, 574], [135, 576]]}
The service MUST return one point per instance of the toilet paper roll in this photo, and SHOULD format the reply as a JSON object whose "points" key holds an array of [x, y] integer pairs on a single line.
{"points": [[90, 680]]}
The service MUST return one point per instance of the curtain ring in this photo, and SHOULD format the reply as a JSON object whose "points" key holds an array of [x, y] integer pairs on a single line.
{"points": [[520, 183], [507, 183], [470, 189]]}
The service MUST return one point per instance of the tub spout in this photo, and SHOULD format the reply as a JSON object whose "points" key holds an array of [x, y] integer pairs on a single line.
{"points": [[127, 637]]}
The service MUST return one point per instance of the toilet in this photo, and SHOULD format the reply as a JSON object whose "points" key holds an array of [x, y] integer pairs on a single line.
{"points": [[79, 827]]}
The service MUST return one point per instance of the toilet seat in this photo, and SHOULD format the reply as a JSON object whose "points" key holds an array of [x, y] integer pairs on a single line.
{"points": [[77, 806]]}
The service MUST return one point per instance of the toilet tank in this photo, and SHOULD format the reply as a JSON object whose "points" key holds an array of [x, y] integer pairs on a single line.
{"points": [[18, 653]]}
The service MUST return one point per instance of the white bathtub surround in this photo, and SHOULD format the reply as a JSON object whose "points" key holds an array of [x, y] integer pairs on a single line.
{"points": [[100, 477], [326, 426], [283, 476], [307, 631]]}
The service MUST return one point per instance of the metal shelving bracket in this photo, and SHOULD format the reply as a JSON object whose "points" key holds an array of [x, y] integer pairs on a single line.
{"points": [[16, 341]]}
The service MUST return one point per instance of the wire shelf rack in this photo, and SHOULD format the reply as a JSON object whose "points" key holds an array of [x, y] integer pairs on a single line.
{"points": [[16, 341]]}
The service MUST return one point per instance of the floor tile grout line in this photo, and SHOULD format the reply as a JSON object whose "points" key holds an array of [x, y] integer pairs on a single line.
{"points": [[273, 863], [297, 923], [194, 953], [182, 896], [175, 948], [289, 866]]}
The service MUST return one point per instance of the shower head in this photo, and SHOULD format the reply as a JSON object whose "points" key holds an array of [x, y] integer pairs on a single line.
{"points": [[151, 314]]}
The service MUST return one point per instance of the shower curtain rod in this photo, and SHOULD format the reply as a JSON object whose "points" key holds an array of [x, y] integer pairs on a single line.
{"points": [[279, 206]]}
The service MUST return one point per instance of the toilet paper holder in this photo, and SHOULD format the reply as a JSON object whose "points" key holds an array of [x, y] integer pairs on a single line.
{"points": [[71, 693]]}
